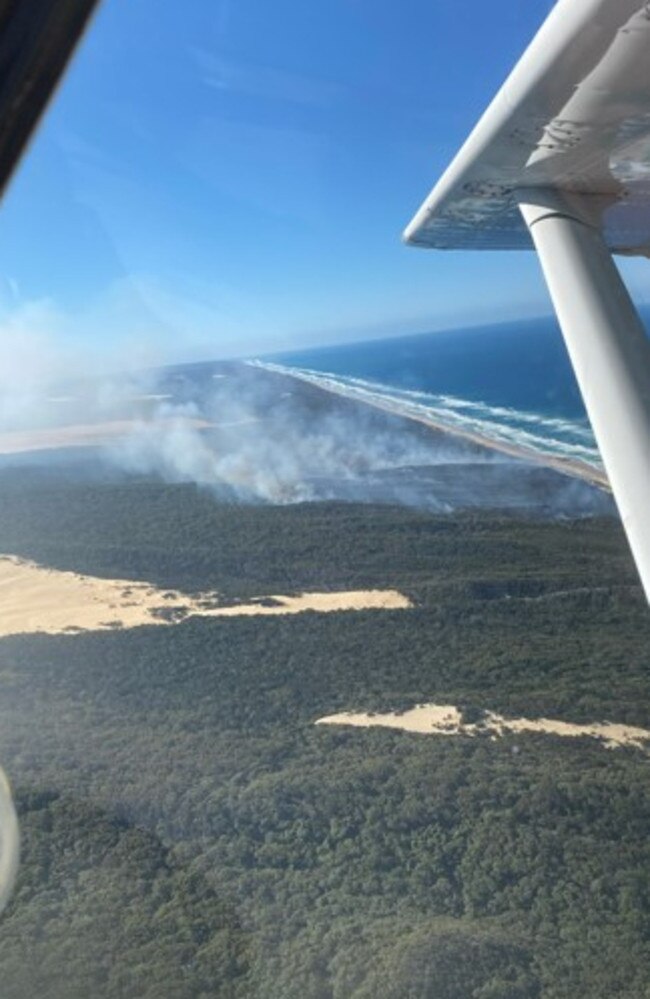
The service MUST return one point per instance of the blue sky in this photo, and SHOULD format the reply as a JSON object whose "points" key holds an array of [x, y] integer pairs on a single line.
{"points": [[225, 177]]}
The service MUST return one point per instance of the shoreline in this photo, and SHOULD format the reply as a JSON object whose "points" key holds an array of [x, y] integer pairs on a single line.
{"points": [[571, 467], [108, 432]]}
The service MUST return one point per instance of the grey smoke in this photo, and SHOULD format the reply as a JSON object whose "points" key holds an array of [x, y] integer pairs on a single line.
{"points": [[273, 439], [252, 435], [269, 453]]}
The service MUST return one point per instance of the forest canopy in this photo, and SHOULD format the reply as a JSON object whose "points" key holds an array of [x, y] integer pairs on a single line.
{"points": [[188, 831]]}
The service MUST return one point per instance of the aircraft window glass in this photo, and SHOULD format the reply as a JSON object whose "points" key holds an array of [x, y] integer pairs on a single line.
{"points": [[322, 650]]}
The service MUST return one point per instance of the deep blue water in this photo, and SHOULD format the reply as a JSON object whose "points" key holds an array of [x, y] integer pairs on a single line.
{"points": [[522, 365]]}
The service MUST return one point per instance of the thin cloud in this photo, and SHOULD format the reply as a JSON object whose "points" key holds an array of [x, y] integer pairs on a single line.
{"points": [[266, 82]]}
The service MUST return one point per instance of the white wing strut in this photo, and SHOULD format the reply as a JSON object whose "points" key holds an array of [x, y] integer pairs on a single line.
{"points": [[609, 352], [561, 160]]}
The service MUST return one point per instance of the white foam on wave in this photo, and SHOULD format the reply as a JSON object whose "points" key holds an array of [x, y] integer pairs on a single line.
{"points": [[534, 432]]}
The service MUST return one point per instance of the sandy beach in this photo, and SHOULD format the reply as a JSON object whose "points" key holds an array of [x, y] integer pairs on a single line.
{"points": [[34, 598], [446, 719]]}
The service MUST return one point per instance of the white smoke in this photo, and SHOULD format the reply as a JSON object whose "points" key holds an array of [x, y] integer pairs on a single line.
{"points": [[49, 379], [252, 434], [243, 443], [262, 436]]}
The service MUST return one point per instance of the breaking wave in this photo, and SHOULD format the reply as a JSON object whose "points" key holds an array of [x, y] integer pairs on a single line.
{"points": [[546, 436]]}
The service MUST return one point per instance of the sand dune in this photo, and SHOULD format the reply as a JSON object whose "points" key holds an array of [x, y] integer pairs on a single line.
{"points": [[34, 598], [445, 719], [346, 600]]}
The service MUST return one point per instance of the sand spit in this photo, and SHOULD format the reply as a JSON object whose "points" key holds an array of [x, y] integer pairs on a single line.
{"points": [[445, 719], [85, 434], [37, 599]]}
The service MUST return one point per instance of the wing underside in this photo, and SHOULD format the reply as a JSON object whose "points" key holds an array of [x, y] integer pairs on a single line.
{"points": [[574, 116]]}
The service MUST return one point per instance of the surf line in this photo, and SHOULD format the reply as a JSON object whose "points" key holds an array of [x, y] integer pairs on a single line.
{"points": [[439, 415]]}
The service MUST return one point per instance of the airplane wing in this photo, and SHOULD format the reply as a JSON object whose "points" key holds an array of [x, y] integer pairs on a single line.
{"points": [[574, 115], [561, 161], [9, 842]]}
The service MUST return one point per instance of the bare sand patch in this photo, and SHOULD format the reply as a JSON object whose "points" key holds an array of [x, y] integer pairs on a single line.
{"points": [[34, 598], [446, 719], [347, 600]]}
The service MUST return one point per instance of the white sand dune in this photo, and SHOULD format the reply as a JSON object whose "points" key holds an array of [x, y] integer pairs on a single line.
{"points": [[34, 598], [445, 719], [346, 600]]}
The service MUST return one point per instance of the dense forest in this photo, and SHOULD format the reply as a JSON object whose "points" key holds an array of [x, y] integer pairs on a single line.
{"points": [[189, 832]]}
